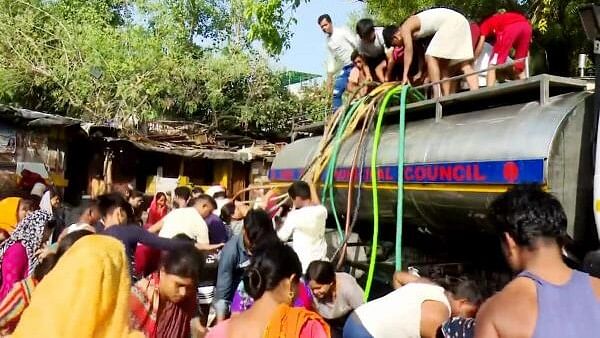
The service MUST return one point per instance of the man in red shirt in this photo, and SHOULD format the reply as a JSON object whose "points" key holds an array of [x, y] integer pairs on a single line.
{"points": [[511, 30]]}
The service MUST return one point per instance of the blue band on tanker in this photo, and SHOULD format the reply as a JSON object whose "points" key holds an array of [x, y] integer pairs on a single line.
{"points": [[483, 172]]}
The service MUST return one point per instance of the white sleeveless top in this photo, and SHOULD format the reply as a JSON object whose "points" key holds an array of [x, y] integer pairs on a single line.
{"points": [[451, 34], [433, 19], [398, 314]]}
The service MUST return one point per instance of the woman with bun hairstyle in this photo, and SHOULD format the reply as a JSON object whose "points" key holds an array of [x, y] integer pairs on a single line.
{"points": [[272, 280]]}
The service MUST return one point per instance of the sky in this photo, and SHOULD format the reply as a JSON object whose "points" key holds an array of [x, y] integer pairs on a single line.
{"points": [[308, 51]]}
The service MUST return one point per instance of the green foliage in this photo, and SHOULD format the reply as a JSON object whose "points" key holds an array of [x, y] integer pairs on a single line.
{"points": [[315, 102], [100, 61], [270, 22], [557, 25], [558, 30]]}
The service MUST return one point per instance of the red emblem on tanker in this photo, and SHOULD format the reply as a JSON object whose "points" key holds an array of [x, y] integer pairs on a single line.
{"points": [[511, 172]]}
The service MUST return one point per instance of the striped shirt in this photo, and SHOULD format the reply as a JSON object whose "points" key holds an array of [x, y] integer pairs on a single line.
{"points": [[15, 302]]}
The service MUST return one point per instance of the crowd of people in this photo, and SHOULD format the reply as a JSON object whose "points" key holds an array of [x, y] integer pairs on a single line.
{"points": [[187, 269], [431, 46]]}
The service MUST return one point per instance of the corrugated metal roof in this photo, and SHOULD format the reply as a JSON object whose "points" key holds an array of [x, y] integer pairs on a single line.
{"points": [[265, 151], [35, 118]]}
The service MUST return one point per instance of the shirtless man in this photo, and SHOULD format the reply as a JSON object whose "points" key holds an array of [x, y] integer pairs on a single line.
{"points": [[547, 299]]}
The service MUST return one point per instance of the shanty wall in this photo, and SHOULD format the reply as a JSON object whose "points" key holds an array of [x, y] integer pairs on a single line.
{"points": [[137, 167], [38, 145]]}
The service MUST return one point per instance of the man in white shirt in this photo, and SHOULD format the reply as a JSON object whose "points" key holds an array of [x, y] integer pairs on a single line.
{"points": [[189, 221], [305, 224], [417, 308], [220, 196], [341, 42], [372, 45]]}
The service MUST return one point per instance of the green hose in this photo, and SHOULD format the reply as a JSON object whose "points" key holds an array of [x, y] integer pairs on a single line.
{"points": [[418, 94], [328, 186], [374, 154], [400, 197], [339, 128]]}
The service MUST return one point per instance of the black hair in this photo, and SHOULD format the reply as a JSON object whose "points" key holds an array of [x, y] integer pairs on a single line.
{"points": [[183, 237], [67, 242], [183, 192], [591, 263], [28, 202], [35, 200], [388, 34], [52, 223], [259, 229], [48, 263], [220, 194], [299, 189], [203, 198], [109, 202], [269, 267], [462, 288], [529, 214], [198, 190], [227, 212], [54, 192], [324, 17], [322, 272], [92, 205], [44, 266], [136, 194], [355, 55], [183, 263], [364, 27]]}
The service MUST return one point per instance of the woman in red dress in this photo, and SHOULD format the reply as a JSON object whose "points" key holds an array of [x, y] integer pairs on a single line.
{"points": [[146, 258]]}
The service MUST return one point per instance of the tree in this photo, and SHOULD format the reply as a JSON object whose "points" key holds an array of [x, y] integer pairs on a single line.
{"points": [[116, 60], [270, 21], [558, 32]]}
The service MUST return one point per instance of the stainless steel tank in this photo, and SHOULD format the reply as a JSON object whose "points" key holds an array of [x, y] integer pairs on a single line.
{"points": [[470, 147]]}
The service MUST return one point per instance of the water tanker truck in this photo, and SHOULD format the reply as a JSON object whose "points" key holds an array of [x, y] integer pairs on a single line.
{"points": [[461, 151]]}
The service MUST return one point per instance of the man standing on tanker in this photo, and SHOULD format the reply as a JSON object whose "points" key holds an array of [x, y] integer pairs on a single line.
{"points": [[510, 29], [450, 45], [341, 42]]}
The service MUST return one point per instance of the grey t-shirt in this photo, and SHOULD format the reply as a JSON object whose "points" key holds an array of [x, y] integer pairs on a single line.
{"points": [[349, 296], [376, 49]]}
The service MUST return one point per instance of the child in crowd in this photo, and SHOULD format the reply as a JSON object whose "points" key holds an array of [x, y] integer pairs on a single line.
{"points": [[360, 76]]}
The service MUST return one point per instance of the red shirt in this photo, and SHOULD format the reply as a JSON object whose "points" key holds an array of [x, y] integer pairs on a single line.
{"points": [[496, 23]]}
